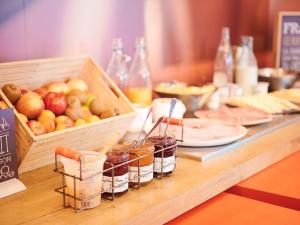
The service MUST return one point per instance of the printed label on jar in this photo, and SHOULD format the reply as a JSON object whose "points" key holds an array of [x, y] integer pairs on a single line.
{"points": [[120, 183], [168, 164], [146, 173]]}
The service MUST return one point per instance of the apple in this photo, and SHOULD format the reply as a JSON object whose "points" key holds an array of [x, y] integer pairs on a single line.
{"points": [[56, 102], [92, 119], [80, 122], [47, 118], [23, 117], [30, 104], [76, 83], [12, 92], [63, 122], [36, 127], [41, 91], [58, 87]]}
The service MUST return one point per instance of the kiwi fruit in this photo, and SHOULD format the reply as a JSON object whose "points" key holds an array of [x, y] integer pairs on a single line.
{"points": [[96, 107], [12, 92], [73, 102], [74, 110], [82, 96], [74, 113], [108, 113]]}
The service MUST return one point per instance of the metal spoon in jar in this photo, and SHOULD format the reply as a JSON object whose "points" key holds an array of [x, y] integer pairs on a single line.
{"points": [[172, 106], [158, 122], [143, 127]]}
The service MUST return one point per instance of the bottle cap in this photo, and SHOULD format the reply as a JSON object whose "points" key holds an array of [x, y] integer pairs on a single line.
{"points": [[225, 33], [117, 44], [140, 42]]}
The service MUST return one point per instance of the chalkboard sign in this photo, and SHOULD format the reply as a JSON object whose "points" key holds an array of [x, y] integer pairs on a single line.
{"points": [[8, 156], [288, 41]]}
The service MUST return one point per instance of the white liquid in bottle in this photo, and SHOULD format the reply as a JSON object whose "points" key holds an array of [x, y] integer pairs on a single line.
{"points": [[220, 79], [246, 78], [246, 69]]}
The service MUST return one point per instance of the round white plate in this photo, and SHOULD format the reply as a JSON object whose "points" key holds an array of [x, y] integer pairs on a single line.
{"points": [[206, 132], [259, 121]]}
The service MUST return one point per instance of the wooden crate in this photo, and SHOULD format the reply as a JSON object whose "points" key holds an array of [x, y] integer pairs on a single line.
{"points": [[37, 151]]}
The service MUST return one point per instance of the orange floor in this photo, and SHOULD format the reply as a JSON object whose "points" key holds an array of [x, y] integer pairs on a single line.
{"points": [[278, 184], [230, 209], [269, 197]]}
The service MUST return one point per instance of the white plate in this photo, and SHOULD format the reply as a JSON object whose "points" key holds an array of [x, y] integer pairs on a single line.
{"points": [[225, 132], [259, 121]]}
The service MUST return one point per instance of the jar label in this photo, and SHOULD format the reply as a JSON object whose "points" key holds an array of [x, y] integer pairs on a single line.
{"points": [[146, 173], [120, 183], [168, 164]]}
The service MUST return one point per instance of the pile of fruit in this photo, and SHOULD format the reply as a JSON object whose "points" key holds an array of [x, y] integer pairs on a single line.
{"points": [[57, 105]]}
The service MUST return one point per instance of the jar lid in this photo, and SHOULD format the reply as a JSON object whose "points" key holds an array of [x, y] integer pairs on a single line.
{"points": [[161, 140], [145, 148], [118, 154]]}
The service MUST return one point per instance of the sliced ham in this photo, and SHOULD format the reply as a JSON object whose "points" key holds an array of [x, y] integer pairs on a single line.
{"points": [[241, 115], [205, 130]]}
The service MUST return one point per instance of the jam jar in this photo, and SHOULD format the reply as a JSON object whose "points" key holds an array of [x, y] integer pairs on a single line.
{"points": [[164, 161], [117, 156], [146, 151]]}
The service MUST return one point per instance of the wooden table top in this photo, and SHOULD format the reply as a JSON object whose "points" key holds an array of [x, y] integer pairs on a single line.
{"points": [[162, 200]]}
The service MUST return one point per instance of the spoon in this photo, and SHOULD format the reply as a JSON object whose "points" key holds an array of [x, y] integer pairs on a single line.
{"points": [[158, 122], [143, 127], [172, 106]]}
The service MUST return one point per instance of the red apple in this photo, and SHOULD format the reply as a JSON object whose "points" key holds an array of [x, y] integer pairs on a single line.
{"points": [[36, 127], [59, 87], [30, 104], [41, 91], [56, 102]]}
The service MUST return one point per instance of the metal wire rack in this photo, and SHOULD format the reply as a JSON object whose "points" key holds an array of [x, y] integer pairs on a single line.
{"points": [[77, 200]]}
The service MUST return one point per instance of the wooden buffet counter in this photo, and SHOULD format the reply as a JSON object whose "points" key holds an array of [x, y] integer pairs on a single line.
{"points": [[162, 200]]}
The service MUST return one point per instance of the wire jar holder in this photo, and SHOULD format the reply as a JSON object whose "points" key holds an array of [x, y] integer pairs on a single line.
{"points": [[75, 197]]}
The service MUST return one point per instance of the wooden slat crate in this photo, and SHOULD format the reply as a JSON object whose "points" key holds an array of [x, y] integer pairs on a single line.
{"points": [[37, 151]]}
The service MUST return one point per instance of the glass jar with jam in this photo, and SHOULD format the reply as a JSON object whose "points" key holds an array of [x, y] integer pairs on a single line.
{"points": [[141, 171], [164, 161], [115, 180]]}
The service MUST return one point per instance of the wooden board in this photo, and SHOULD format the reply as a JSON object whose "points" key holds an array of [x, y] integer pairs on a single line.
{"points": [[254, 132], [162, 200]]}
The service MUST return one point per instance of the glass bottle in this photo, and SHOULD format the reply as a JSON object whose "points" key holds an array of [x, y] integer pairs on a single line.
{"points": [[246, 69], [117, 68], [139, 84], [223, 68]]}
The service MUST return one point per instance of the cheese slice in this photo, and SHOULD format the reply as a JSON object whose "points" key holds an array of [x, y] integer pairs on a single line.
{"points": [[265, 102]]}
